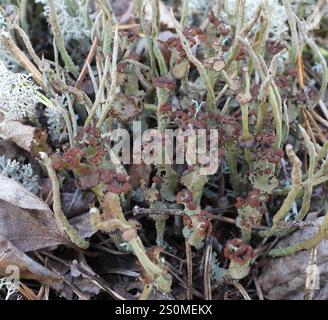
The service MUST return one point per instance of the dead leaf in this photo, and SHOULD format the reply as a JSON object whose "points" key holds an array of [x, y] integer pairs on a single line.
{"points": [[11, 256], [82, 224], [11, 151], [16, 132], [26, 220], [74, 282], [76, 203]]}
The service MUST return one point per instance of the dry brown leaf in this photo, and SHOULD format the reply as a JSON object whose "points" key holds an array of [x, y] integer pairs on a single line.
{"points": [[28, 269], [16, 132], [26, 220]]}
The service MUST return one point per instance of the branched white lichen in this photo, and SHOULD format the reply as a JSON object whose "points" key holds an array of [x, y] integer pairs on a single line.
{"points": [[22, 173], [18, 94], [72, 18], [56, 124], [199, 8], [277, 15], [5, 56]]}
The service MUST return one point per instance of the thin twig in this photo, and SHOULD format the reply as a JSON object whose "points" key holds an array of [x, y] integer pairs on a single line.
{"points": [[177, 212], [87, 62], [189, 270], [23, 60], [207, 273], [308, 126], [318, 129], [242, 290], [258, 288], [319, 118]]}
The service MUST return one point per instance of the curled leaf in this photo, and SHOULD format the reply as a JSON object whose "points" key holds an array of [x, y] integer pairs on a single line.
{"points": [[26, 220], [12, 258]]}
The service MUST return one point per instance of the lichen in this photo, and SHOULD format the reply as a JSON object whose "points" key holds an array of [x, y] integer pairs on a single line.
{"points": [[20, 172]]}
